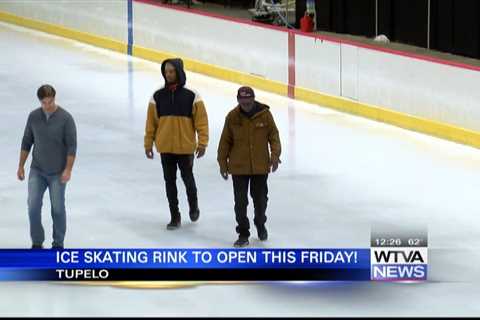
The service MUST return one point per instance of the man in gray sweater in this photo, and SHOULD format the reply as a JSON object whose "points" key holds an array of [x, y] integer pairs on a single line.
{"points": [[52, 132]]}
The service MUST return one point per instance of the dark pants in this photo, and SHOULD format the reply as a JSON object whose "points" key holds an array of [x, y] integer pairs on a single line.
{"points": [[258, 192], [170, 162]]}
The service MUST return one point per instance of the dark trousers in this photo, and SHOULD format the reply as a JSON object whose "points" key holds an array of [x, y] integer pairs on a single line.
{"points": [[170, 162], [259, 194]]}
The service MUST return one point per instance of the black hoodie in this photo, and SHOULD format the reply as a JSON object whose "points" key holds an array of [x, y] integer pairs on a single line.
{"points": [[178, 102], [178, 64], [176, 117]]}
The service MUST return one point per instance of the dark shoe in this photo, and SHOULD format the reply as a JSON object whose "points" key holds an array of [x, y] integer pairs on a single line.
{"points": [[194, 214], [37, 246], [57, 247], [175, 219], [174, 224], [241, 242], [262, 233]]}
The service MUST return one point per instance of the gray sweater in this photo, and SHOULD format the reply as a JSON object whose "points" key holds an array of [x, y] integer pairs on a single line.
{"points": [[52, 140]]}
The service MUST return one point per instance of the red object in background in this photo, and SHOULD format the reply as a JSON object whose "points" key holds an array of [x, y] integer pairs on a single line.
{"points": [[306, 23]]}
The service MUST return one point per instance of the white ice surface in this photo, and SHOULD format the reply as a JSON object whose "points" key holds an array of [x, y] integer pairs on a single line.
{"points": [[339, 175]]}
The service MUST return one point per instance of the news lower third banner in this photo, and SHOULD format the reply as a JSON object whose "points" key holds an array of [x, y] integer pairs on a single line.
{"points": [[376, 263]]}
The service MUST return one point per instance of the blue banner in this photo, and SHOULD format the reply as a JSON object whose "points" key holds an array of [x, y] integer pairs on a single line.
{"points": [[182, 264], [185, 258]]}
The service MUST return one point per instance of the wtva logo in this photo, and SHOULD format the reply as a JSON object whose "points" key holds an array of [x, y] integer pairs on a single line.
{"points": [[399, 264]]}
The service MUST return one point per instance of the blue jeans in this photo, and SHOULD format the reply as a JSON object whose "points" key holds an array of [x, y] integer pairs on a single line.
{"points": [[38, 182]]}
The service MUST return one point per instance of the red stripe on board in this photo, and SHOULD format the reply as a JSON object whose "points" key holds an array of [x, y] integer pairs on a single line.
{"points": [[316, 36], [291, 65]]}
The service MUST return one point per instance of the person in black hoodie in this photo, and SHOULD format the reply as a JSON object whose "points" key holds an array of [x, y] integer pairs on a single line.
{"points": [[176, 118]]}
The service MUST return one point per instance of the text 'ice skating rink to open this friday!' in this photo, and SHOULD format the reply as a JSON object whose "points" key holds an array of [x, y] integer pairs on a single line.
{"points": [[340, 175]]}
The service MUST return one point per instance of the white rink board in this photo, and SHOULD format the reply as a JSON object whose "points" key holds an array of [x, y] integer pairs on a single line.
{"points": [[103, 18], [317, 65], [349, 59], [241, 47], [422, 88]]}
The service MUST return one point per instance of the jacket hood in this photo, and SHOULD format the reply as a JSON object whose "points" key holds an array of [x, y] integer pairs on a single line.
{"points": [[258, 108], [178, 64]]}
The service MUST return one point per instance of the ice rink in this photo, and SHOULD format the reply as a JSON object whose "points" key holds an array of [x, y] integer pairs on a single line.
{"points": [[340, 175]]}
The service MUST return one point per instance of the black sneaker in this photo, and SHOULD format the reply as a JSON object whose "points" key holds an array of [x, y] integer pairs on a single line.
{"points": [[262, 234], [57, 247], [37, 246], [241, 242], [194, 214], [174, 224]]}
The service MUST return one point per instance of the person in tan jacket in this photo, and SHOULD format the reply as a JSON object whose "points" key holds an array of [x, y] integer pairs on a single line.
{"points": [[176, 116], [244, 153]]}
